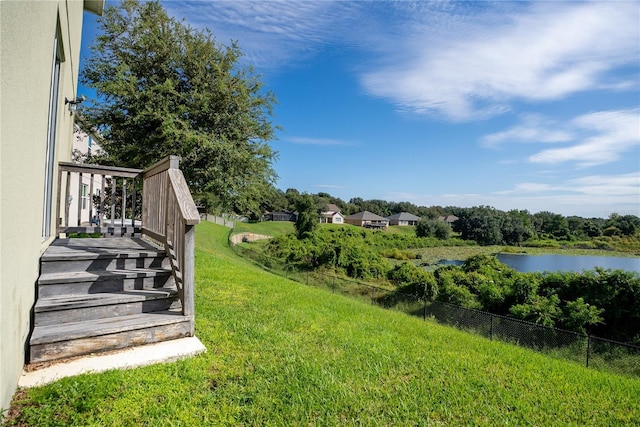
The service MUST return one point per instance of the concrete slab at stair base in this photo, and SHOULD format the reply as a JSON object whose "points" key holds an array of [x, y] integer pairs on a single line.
{"points": [[162, 352]]}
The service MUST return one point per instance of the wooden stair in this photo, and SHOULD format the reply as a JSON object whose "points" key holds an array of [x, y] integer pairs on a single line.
{"points": [[104, 294]]}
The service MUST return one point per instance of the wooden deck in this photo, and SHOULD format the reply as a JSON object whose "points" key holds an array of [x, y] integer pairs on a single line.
{"points": [[103, 294], [106, 293]]}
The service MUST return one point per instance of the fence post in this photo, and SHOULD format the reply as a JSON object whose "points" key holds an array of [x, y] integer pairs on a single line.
{"points": [[491, 331], [588, 349]]}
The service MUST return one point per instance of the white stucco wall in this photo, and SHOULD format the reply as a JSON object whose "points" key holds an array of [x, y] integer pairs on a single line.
{"points": [[27, 33]]}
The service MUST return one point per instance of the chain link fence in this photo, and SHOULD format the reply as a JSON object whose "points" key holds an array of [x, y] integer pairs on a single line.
{"points": [[592, 352]]}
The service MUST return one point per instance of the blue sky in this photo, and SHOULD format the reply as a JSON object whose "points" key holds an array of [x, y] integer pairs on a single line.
{"points": [[515, 105]]}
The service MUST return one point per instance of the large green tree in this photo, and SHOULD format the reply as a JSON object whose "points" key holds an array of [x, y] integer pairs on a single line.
{"points": [[481, 223], [165, 88], [307, 221]]}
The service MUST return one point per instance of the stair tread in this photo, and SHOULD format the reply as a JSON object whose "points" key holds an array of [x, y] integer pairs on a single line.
{"points": [[66, 302], [97, 327], [116, 247], [95, 275]]}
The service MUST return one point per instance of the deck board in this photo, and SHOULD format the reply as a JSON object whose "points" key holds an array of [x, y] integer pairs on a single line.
{"points": [[67, 302], [98, 327], [122, 247]]}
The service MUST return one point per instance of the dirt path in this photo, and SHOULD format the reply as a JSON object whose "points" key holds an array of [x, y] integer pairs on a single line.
{"points": [[247, 237]]}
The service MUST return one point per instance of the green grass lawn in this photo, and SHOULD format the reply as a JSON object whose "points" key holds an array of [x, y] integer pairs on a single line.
{"points": [[268, 228], [282, 353]]}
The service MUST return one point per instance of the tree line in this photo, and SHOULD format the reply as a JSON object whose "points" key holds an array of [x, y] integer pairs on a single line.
{"points": [[484, 225], [490, 226]]}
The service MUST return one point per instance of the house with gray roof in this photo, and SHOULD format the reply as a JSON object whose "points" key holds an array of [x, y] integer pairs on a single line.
{"points": [[403, 218], [368, 220], [448, 219]]}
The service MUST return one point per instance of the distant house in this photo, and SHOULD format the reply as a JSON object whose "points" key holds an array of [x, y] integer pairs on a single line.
{"points": [[331, 215], [450, 219], [403, 218], [280, 216], [84, 144], [368, 220]]}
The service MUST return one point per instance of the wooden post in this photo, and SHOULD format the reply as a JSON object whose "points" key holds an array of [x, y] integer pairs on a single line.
{"points": [[58, 219], [189, 272], [491, 332]]}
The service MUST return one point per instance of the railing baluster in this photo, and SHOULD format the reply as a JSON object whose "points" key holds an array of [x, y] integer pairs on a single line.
{"points": [[79, 201], [101, 215], [85, 194], [114, 185], [90, 199], [67, 202], [133, 203], [124, 202]]}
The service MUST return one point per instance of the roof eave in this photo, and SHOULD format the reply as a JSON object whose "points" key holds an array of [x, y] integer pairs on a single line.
{"points": [[94, 6]]}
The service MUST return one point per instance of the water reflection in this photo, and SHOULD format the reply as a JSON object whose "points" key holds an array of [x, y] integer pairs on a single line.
{"points": [[530, 263]]}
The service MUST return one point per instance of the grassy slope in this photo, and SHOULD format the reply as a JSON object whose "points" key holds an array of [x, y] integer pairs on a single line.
{"points": [[281, 353]]}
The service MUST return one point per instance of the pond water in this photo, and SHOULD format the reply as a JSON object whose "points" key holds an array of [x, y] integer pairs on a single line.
{"points": [[531, 263]]}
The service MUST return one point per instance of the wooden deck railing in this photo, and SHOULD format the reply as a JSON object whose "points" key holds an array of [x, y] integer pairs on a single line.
{"points": [[168, 216], [155, 202], [106, 199]]}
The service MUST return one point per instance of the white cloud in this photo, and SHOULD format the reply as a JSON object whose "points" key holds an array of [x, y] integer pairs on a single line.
{"points": [[599, 185], [589, 140], [545, 52], [588, 196], [447, 59], [592, 185], [609, 134], [330, 186], [315, 141], [270, 33], [534, 128], [530, 187]]}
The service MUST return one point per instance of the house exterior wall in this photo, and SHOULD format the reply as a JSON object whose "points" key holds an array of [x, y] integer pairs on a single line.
{"points": [[366, 223], [331, 218], [402, 222], [82, 196], [27, 34]]}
